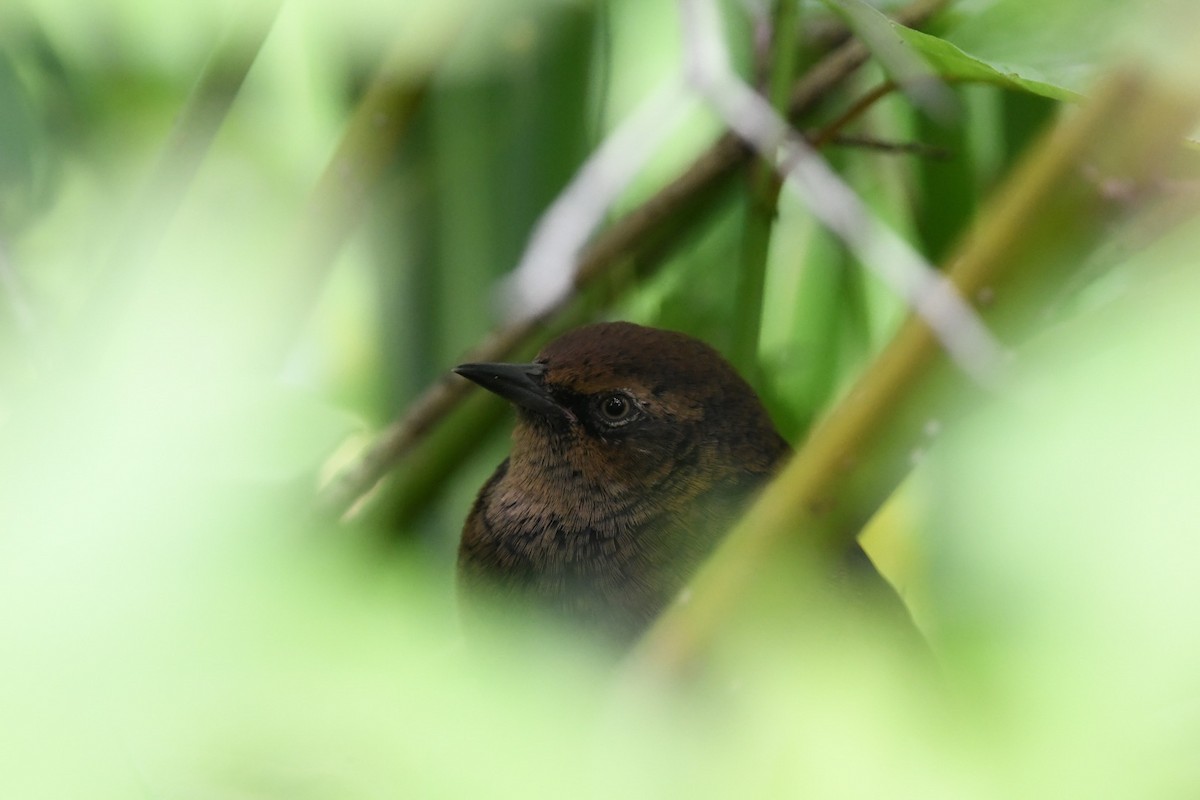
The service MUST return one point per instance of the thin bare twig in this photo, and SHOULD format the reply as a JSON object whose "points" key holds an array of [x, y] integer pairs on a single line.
{"points": [[919, 149], [856, 110]]}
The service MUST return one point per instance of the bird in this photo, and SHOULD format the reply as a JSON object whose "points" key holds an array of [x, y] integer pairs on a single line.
{"points": [[635, 449]]}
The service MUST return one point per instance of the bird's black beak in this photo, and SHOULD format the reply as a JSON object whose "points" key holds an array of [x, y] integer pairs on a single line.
{"points": [[520, 384]]}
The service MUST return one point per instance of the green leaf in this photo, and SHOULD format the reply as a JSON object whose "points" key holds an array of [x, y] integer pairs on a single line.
{"points": [[952, 63], [1059, 44]]}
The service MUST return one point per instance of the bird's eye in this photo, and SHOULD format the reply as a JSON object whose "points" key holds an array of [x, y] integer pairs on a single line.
{"points": [[615, 408]]}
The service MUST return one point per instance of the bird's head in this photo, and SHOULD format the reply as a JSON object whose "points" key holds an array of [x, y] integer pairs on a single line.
{"points": [[625, 406]]}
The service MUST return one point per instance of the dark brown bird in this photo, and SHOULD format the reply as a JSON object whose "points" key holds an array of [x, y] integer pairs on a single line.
{"points": [[635, 450]]}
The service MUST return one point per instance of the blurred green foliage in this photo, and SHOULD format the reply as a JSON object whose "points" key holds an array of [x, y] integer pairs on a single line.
{"points": [[174, 623]]}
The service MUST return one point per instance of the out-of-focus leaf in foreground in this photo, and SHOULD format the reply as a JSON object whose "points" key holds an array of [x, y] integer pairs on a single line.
{"points": [[170, 634], [1067, 567]]}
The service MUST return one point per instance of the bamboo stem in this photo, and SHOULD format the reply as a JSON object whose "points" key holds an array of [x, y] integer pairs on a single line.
{"points": [[1029, 243]]}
